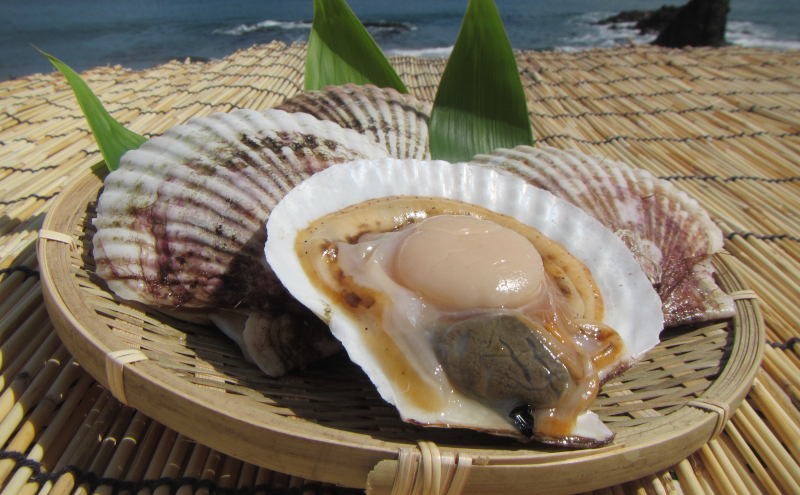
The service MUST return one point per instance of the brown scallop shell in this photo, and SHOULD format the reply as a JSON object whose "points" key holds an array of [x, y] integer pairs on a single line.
{"points": [[398, 122], [182, 224], [670, 235], [182, 221]]}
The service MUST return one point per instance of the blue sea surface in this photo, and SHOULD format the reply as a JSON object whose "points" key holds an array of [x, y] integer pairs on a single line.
{"points": [[143, 33]]}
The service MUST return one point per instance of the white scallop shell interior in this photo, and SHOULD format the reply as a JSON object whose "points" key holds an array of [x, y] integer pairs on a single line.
{"points": [[633, 308]]}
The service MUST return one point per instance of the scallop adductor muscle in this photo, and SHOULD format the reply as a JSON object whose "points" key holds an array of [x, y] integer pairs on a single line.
{"points": [[499, 358]]}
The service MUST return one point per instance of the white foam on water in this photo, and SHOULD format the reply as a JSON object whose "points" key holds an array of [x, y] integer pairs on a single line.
{"points": [[267, 25], [443, 51], [389, 27], [601, 35], [749, 34], [743, 33]]}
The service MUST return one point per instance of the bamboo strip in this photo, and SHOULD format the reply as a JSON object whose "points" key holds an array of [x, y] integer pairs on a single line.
{"points": [[780, 396], [247, 476], [718, 473], [159, 457], [13, 346], [729, 467], [24, 354], [704, 477], [86, 425], [83, 452], [33, 392], [617, 490], [29, 489], [194, 468], [776, 273], [27, 292], [36, 453], [109, 443], [174, 462], [263, 478], [23, 379], [113, 420], [777, 418], [688, 479], [144, 453], [671, 484], [209, 470], [45, 407], [69, 427], [728, 449], [230, 471], [782, 365], [9, 284], [752, 461], [654, 485], [635, 487], [775, 457]]}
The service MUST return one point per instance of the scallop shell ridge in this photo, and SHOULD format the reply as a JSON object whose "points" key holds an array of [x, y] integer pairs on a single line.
{"points": [[398, 122], [181, 222], [670, 234]]}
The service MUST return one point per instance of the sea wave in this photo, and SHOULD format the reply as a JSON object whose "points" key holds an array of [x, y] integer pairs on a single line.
{"points": [[747, 33], [376, 28], [389, 27], [602, 35], [742, 33], [443, 51], [267, 25]]}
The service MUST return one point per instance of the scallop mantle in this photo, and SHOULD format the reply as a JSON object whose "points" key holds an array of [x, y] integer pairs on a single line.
{"points": [[633, 308]]}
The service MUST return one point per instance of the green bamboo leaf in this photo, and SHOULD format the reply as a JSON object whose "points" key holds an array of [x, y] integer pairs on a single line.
{"points": [[341, 51], [112, 138], [480, 104]]}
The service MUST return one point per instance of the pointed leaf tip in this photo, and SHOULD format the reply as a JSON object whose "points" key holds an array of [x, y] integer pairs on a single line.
{"points": [[480, 104], [112, 138], [341, 51]]}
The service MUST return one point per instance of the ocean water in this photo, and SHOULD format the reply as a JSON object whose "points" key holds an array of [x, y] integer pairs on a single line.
{"points": [[143, 33]]}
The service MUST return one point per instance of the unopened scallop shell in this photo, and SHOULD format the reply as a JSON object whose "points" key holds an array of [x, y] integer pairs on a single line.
{"points": [[632, 308], [181, 222], [670, 235], [398, 122]]}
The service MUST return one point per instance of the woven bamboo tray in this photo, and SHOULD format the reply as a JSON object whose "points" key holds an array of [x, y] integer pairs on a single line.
{"points": [[328, 423]]}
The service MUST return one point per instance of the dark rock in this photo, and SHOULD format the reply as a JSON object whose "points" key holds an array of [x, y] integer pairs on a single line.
{"points": [[698, 23], [647, 21], [659, 19], [627, 16]]}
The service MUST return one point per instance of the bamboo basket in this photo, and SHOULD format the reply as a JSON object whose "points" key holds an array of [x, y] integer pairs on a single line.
{"points": [[328, 423]]}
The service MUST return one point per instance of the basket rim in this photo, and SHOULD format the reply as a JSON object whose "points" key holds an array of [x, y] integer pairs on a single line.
{"points": [[314, 451]]}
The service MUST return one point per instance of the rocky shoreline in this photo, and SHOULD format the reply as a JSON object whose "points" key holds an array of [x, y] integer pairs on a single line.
{"points": [[698, 23]]}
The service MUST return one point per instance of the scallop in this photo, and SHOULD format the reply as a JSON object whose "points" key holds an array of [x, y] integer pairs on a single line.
{"points": [[469, 297], [397, 122], [670, 235], [181, 223]]}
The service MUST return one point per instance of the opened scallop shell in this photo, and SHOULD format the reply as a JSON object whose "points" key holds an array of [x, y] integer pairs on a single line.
{"points": [[632, 307], [670, 235], [181, 224], [398, 122]]}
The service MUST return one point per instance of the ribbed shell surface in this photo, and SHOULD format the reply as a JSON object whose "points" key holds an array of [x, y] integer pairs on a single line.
{"points": [[670, 235], [398, 122], [182, 221]]}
